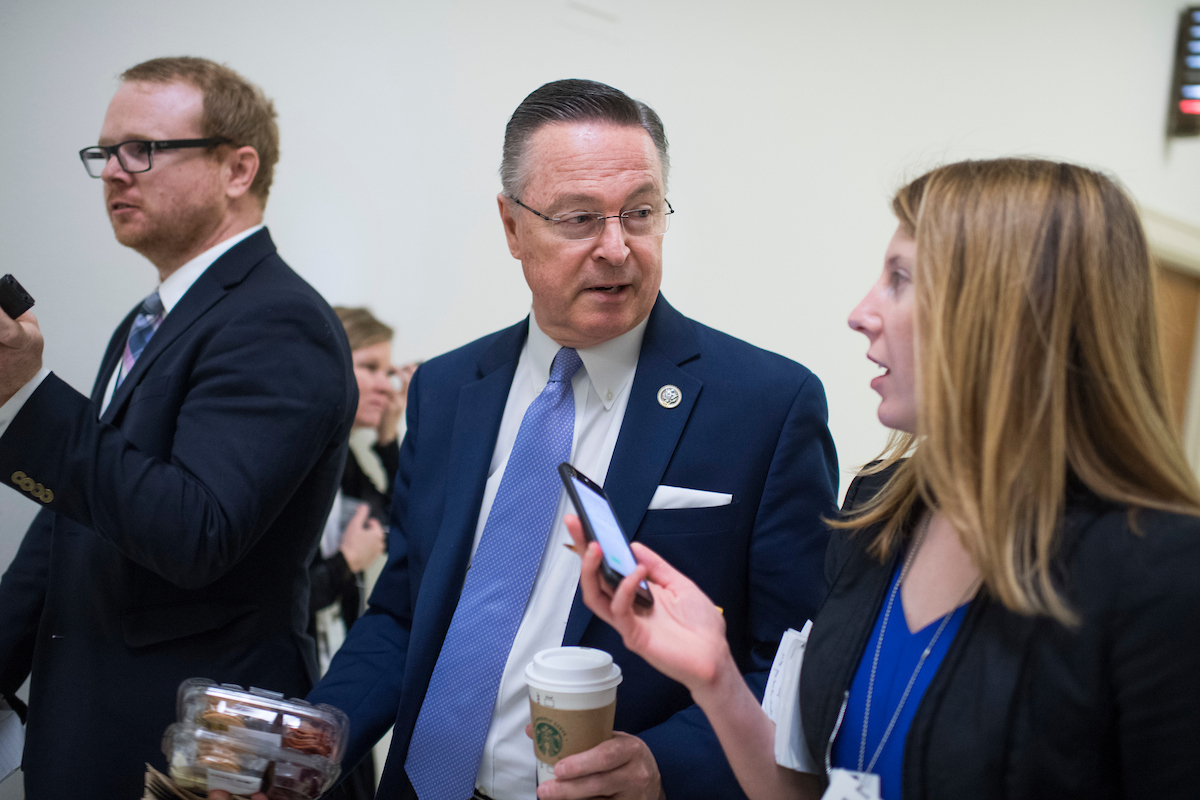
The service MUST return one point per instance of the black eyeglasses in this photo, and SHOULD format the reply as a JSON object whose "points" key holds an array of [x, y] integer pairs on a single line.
{"points": [[638, 222], [134, 155]]}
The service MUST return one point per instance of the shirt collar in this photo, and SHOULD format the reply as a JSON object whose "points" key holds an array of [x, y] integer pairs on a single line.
{"points": [[172, 290], [610, 365]]}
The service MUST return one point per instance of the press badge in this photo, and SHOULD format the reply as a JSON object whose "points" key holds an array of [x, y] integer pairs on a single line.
{"points": [[846, 784]]}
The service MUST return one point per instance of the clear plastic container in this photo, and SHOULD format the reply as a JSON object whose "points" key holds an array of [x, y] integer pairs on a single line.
{"points": [[316, 730], [245, 741], [204, 760]]}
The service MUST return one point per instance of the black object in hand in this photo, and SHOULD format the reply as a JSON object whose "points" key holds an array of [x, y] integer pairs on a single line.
{"points": [[13, 298]]}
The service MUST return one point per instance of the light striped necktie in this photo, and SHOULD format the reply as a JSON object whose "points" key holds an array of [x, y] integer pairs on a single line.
{"points": [[447, 740], [149, 317]]}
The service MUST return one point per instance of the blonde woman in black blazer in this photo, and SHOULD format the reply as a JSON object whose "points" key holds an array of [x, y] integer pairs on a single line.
{"points": [[1034, 476]]}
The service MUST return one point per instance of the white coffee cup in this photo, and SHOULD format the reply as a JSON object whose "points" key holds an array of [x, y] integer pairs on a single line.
{"points": [[572, 703]]}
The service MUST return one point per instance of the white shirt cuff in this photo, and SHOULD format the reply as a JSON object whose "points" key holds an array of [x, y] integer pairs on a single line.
{"points": [[9, 410]]}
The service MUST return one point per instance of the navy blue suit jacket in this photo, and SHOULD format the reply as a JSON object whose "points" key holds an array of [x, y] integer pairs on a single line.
{"points": [[176, 539], [751, 423]]}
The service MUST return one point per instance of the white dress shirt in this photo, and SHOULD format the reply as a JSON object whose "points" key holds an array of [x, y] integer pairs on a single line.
{"points": [[170, 292], [601, 390]]}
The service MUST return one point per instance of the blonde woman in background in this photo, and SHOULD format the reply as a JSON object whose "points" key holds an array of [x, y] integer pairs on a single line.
{"points": [[1015, 585], [354, 533]]}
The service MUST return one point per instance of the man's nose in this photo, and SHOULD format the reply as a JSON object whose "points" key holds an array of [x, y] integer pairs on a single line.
{"points": [[610, 244], [113, 169]]}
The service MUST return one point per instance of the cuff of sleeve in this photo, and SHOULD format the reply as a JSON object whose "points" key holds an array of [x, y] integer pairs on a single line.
{"points": [[9, 410]]}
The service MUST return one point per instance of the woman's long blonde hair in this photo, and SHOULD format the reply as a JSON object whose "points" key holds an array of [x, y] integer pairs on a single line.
{"points": [[1037, 356]]}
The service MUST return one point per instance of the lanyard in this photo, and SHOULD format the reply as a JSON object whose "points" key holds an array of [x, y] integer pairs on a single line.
{"points": [[887, 612]]}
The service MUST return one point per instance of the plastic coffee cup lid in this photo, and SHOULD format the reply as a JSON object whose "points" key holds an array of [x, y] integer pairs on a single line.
{"points": [[573, 669]]}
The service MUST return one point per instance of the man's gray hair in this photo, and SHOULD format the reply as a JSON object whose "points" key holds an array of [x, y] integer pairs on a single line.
{"points": [[572, 100]]}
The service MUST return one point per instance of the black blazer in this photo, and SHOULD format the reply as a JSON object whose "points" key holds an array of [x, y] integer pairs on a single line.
{"points": [[331, 578], [176, 541], [1028, 708]]}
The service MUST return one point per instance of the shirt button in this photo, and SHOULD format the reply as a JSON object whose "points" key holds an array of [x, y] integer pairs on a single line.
{"points": [[608, 396]]}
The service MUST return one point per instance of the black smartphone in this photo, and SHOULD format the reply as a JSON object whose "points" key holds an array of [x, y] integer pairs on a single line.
{"points": [[13, 298], [600, 525]]}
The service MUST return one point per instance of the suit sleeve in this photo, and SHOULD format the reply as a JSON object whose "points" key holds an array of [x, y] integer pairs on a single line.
{"points": [[367, 673], [787, 584], [22, 595], [266, 394]]}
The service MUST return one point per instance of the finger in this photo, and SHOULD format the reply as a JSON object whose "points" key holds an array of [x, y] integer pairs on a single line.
{"points": [[529, 729], [657, 568], [602, 585], [596, 594], [623, 600], [589, 579], [575, 528], [360, 515], [581, 547], [604, 757], [12, 332]]}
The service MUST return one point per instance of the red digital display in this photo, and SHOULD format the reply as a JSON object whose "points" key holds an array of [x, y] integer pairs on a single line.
{"points": [[1189, 106]]}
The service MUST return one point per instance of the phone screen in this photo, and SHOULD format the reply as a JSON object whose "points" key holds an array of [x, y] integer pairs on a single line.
{"points": [[607, 531], [604, 525]]}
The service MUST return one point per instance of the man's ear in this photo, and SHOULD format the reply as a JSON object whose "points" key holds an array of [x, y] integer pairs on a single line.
{"points": [[241, 165], [510, 225]]}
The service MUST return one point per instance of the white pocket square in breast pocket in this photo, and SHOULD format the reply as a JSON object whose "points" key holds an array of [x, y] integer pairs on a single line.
{"points": [[677, 497]]}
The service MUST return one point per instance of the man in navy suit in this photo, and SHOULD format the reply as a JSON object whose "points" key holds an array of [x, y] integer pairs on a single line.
{"points": [[713, 452], [182, 501]]}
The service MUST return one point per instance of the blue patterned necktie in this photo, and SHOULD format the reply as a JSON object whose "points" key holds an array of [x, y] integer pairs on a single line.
{"points": [[149, 317], [447, 741]]}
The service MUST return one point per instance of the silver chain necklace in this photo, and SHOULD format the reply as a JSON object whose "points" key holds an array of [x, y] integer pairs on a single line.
{"points": [[887, 612]]}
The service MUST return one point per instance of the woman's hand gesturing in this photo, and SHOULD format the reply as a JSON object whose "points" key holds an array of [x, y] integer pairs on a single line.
{"points": [[682, 635]]}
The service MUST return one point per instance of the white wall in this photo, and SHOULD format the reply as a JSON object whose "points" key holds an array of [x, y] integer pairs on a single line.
{"points": [[790, 124]]}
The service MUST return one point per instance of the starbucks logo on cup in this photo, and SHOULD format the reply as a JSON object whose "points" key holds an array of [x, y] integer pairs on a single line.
{"points": [[548, 737]]}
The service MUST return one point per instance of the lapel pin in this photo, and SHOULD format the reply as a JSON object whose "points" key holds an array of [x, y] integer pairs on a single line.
{"points": [[669, 396]]}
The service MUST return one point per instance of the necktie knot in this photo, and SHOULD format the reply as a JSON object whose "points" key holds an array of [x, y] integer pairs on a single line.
{"points": [[152, 306], [148, 318], [566, 363]]}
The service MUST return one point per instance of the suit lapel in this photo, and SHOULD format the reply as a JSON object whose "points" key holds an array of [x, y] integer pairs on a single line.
{"points": [[472, 442], [227, 271], [116, 348], [649, 432], [476, 426]]}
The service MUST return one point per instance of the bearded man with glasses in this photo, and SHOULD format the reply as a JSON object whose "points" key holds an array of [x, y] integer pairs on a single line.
{"points": [[184, 498], [713, 452]]}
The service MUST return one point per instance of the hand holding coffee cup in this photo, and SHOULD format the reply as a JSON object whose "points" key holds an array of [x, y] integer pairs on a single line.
{"points": [[572, 703]]}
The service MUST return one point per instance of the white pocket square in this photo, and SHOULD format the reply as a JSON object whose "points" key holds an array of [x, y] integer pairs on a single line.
{"points": [[677, 497]]}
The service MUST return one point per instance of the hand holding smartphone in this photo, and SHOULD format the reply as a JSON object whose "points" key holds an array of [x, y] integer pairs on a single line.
{"points": [[14, 300], [600, 525]]}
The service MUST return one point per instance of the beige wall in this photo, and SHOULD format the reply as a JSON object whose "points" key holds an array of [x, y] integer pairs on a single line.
{"points": [[790, 124]]}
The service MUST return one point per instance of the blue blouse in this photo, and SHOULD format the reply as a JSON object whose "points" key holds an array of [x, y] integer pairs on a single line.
{"points": [[898, 658]]}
